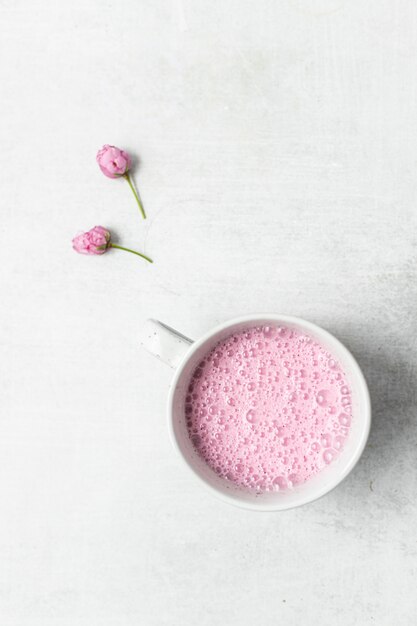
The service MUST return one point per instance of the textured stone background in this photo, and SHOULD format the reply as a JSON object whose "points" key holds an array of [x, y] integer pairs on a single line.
{"points": [[278, 166]]}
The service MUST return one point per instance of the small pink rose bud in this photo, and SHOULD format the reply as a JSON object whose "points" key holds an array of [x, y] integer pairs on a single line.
{"points": [[115, 163], [97, 241]]}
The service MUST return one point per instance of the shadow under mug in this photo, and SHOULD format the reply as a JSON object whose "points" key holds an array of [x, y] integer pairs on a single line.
{"points": [[184, 355]]}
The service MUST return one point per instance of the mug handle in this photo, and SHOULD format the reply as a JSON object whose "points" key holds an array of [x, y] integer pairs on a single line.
{"points": [[164, 342]]}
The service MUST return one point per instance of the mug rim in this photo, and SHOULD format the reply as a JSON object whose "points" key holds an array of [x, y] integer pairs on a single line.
{"points": [[354, 367]]}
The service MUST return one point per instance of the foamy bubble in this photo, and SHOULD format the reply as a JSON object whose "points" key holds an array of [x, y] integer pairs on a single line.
{"points": [[328, 456], [344, 419], [251, 416]]}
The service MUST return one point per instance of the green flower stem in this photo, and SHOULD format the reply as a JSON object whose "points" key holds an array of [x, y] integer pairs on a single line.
{"points": [[114, 245], [135, 193]]}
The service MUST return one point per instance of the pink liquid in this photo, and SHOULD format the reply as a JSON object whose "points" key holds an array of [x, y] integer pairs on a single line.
{"points": [[268, 408]]}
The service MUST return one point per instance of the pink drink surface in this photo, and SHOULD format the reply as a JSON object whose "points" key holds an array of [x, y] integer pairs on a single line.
{"points": [[268, 408]]}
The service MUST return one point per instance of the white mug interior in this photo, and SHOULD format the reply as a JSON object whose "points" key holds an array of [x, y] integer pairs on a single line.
{"points": [[302, 493]]}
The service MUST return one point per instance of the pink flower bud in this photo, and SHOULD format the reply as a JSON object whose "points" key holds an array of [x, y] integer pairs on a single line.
{"points": [[113, 162], [95, 241]]}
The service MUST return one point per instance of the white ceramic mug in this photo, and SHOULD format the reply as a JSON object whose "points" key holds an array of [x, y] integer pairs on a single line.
{"points": [[183, 354]]}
